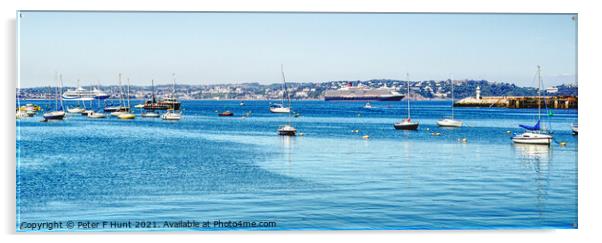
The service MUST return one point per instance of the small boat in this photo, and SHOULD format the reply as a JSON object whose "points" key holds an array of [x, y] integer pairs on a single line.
{"points": [[54, 115], [574, 128], [226, 113], [450, 122], [368, 106], [21, 114], [86, 112], [150, 114], [287, 130], [75, 110], [139, 106], [406, 124], [126, 116], [242, 103], [172, 115], [94, 114], [279, 108], [535, 134]]}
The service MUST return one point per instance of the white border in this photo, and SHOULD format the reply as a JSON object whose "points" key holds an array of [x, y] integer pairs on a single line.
{"points": [[589, 118]]}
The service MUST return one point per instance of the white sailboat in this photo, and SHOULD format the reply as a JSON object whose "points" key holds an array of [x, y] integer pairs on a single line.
{"points": [[172, 114], [287, 129], [408, 123], [126, 115], [450, 122], [120, 109], [279, 107], [535, 134]]}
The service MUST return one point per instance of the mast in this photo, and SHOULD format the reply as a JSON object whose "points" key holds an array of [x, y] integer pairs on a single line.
{"points": [[153, 90], [173, 89], [286, 93], [452, 95], [408, 84], [56, 91], [59, 96], [121, 103], [128, 93], [538, 93]]}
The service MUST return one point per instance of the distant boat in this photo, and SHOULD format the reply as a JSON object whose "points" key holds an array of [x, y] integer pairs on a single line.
{"points": [[368, 106], [94, 114], [139, 106], [450, 122], [535, 134], [574, 128], [242, 103], [362, 93], [127, 115], [226, 113], [167, 103], [172, 115], [82, 94], [407, 124], [75, 110], [287, 129], [121, 108], [150, 114], [58, 113], [279, 107]]}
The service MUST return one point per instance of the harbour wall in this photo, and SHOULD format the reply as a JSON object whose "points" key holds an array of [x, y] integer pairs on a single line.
{"points": [[556, 102]]}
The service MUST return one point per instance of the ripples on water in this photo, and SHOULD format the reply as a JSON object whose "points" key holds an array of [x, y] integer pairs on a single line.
{"points": [[206, 167]]}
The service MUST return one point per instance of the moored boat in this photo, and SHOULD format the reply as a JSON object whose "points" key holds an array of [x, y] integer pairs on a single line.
{"points": [[535, 134], [287, 130], [450, 122], [575, 128], [172, 115], [150, 114], [126, 116], [226, 113], [407, 124]]}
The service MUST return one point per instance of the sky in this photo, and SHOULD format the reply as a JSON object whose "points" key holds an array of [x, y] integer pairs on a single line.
{"points": [[217, 48]]}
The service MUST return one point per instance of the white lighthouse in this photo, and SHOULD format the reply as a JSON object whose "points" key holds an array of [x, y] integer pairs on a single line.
{"points": [[478, 93]]}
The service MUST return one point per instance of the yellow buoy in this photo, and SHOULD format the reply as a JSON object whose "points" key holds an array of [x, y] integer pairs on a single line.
{"points": [[463, 140], [562, 144], [365, 137]]}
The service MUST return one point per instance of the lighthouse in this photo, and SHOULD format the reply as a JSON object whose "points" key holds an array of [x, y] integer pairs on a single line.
{"points": [[478, 93]]}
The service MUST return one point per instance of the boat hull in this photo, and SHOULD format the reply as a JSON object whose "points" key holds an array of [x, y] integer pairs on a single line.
{"points": [[449, 123], [364, 98], [126, 116], [406, 126], [56, 115], [280, 110], [533, 138]]}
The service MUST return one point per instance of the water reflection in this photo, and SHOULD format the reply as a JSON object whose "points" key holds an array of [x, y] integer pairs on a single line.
{"points": [[537, 158]]}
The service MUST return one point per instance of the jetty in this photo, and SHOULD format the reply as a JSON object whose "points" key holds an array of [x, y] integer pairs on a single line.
{"points": [[556, 102]]}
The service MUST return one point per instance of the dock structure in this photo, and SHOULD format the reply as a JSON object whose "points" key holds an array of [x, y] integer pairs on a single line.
{"points": [[556, 102]]}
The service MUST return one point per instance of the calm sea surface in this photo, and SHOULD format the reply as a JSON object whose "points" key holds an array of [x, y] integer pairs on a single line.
{"points": [[208, 168]]}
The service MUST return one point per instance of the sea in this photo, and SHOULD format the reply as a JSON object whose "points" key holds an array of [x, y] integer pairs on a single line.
{"points": [[348, 169]]}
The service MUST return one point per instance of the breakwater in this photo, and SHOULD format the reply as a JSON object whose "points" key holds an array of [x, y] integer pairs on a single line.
{"points": [[556, 102]]}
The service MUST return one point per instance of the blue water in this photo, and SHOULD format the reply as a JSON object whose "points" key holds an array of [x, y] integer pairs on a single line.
{"points": [[206, 167]]}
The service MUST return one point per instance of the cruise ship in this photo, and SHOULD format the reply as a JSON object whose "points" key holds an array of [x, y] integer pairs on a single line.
{"points": [[362, 93], [84, 94]]}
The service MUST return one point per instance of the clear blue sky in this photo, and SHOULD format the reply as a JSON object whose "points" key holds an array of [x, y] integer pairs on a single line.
{"points": [[209, 48]]}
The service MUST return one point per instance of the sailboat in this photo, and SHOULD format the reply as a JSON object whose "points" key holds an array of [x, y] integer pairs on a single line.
{"points": [[172, 113], [58, 113], [279, 107], [77, 97], [575, 128], [368, 106], [127, 115], [535, 134], [287, 129], [151, 113], [96, 114], [407, 124], [117, 110], [450, 122]]}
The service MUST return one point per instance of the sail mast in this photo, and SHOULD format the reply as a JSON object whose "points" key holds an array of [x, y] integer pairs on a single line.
{"points": [[538, 93], [59, 95], [452, 95], [408, 97], [285, 92], [121, 103], [173, 89], [128, 93]]}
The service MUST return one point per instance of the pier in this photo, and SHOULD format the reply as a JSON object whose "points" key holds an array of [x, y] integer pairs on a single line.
{"points": [[556, 102]]}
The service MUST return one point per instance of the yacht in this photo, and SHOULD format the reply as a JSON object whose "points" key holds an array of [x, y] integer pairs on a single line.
{"points": [[535, 134]]}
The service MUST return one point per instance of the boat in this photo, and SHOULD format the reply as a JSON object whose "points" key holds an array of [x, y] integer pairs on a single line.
{"points": [[407, 124], [362, 93], [121, 108], [82, 94], [280, 107], [226, 113], [75, 110], [139, 106], [126, 116], [450, 122], [21, 114], [172, 115], [94, 114], [242, 103], [535, 134], [167, 103], [368, 106], [574, 128], [58, 113], [150, 114], [287, 129]]}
